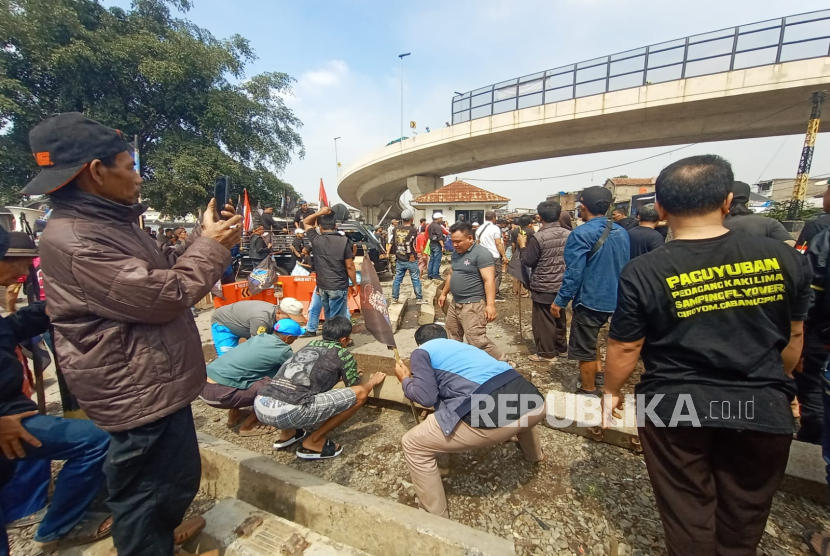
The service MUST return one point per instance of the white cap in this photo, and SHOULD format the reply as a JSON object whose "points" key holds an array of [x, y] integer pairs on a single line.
{"points": [[291, 306], [407, 215], [476, 224], [299, 231], [437, 215]]}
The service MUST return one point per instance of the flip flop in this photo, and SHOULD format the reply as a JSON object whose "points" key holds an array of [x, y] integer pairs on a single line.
{"points": [[242, 416], [31, 519], [300, 434], [330, 450], [825, 541], [87, 531], [188, 529], [582, 392], [539, 359], [259, 430]]}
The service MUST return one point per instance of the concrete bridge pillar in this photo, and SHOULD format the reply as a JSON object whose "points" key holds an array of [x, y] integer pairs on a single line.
{"points": [[421, 185]]}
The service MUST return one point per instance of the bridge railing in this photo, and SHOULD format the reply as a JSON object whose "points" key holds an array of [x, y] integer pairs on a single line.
{"points": [[797, 37]]}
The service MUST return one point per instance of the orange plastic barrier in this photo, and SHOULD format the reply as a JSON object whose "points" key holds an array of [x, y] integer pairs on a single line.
{"points": [[302, 289], [238, 291]]}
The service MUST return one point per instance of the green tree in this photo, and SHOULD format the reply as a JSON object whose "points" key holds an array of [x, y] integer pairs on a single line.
{"points": [[182, 91], [780, 210]]}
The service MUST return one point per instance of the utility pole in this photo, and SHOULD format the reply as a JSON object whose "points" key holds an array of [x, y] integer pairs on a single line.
{"points": [[336, 159], [402, 56], [800, 188]]}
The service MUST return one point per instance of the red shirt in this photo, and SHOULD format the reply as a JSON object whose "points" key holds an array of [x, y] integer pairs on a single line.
{"points": [[420, 242]]}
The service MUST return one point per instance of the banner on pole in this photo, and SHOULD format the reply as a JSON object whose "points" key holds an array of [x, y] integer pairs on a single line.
{"points": [[373, 305]]}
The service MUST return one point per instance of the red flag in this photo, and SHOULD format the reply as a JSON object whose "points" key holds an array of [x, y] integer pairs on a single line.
{"points": [[247, 218], [324, 201], [373, 305]]}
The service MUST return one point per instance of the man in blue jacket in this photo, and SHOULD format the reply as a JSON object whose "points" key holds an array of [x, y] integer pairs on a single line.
{"points": [[595, 254], [479, 401], [27, 435]]}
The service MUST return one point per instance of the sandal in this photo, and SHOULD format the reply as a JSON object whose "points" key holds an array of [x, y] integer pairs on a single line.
{"points": [[241, 417], [825, 541], [31, 519], [330, 450], [582, 392], [259, 430], [539, 359], [86, 531], [300, 434], [188, 529]]}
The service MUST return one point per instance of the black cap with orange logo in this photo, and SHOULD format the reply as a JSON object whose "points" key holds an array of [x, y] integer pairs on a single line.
{"points": [[64, 144]]}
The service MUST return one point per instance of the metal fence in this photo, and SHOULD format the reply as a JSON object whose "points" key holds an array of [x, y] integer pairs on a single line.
{"points": [[797, 37]]}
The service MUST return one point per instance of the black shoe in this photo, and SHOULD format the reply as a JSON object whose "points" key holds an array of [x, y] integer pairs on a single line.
{"points": [[309, 334], [500, 298]]}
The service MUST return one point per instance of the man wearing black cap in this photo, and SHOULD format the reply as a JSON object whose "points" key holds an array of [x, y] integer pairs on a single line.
{"points": [[742, 219], [268, 221], [27, 435], [302, 213], [124, 334], [595, 254]]}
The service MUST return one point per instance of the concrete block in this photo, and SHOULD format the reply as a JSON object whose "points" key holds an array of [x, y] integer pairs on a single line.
{"points": [[396, 311], [386, 527], [239, 529], [805, 475]]}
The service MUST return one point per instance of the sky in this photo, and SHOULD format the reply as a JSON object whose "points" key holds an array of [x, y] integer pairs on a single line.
{"points": [[344, 57]]}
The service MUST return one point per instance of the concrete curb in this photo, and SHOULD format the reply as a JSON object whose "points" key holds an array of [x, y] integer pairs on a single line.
{"points": [[239, 529], [427, 315], [396, 311], [385, 527]]}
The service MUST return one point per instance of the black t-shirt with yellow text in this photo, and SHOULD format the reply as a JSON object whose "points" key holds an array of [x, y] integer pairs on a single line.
{"points": [[715, 314]]}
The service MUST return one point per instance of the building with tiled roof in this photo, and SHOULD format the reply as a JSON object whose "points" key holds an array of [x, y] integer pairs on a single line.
{"points": [[458, 200], [624, 188]]}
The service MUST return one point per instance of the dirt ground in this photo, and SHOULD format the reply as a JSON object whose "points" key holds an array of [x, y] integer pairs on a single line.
{"points": [[586, 498]]}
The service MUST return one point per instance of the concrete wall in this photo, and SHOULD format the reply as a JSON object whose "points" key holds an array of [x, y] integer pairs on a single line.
{"points": [[732, 105]]}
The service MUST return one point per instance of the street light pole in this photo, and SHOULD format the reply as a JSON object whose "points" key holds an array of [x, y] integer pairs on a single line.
{"points": [[336, 158], [402, 56]]}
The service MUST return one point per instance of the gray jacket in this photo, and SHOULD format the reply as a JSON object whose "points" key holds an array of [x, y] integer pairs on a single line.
{"points": [[545, 254]]}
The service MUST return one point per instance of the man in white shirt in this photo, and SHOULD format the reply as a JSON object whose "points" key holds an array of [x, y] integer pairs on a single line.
{"points": [[489, 237]]}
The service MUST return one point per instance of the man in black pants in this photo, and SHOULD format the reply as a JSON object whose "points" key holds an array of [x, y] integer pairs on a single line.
{"points": [[718, 316], [544, 252], [124, 334], [814, 355]]}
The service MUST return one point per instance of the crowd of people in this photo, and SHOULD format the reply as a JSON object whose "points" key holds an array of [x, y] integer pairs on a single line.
{"points": [[718, 314]]}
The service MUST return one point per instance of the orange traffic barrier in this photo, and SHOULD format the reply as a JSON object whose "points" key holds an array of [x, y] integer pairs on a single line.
{"points": [[239, 291], [302, 289]]}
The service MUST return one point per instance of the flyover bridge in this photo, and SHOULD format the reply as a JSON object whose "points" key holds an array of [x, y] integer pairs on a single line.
{"points": [[748, 81]]}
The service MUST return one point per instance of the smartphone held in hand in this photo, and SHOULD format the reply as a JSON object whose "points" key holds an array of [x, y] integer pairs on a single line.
{"points": [[222, 194]]}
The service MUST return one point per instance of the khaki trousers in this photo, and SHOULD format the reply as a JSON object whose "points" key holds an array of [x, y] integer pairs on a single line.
{"points": [[467, 321], [423, 443]]}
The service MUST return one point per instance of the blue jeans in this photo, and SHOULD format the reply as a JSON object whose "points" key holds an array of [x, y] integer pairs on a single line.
{"points": [[27, 491], [314, 312], [434, 267], [335, 302], [84, 447], [332, 302], [400, 272]]}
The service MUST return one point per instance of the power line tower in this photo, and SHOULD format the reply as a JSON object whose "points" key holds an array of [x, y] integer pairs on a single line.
{"points": [[800, 188]]}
